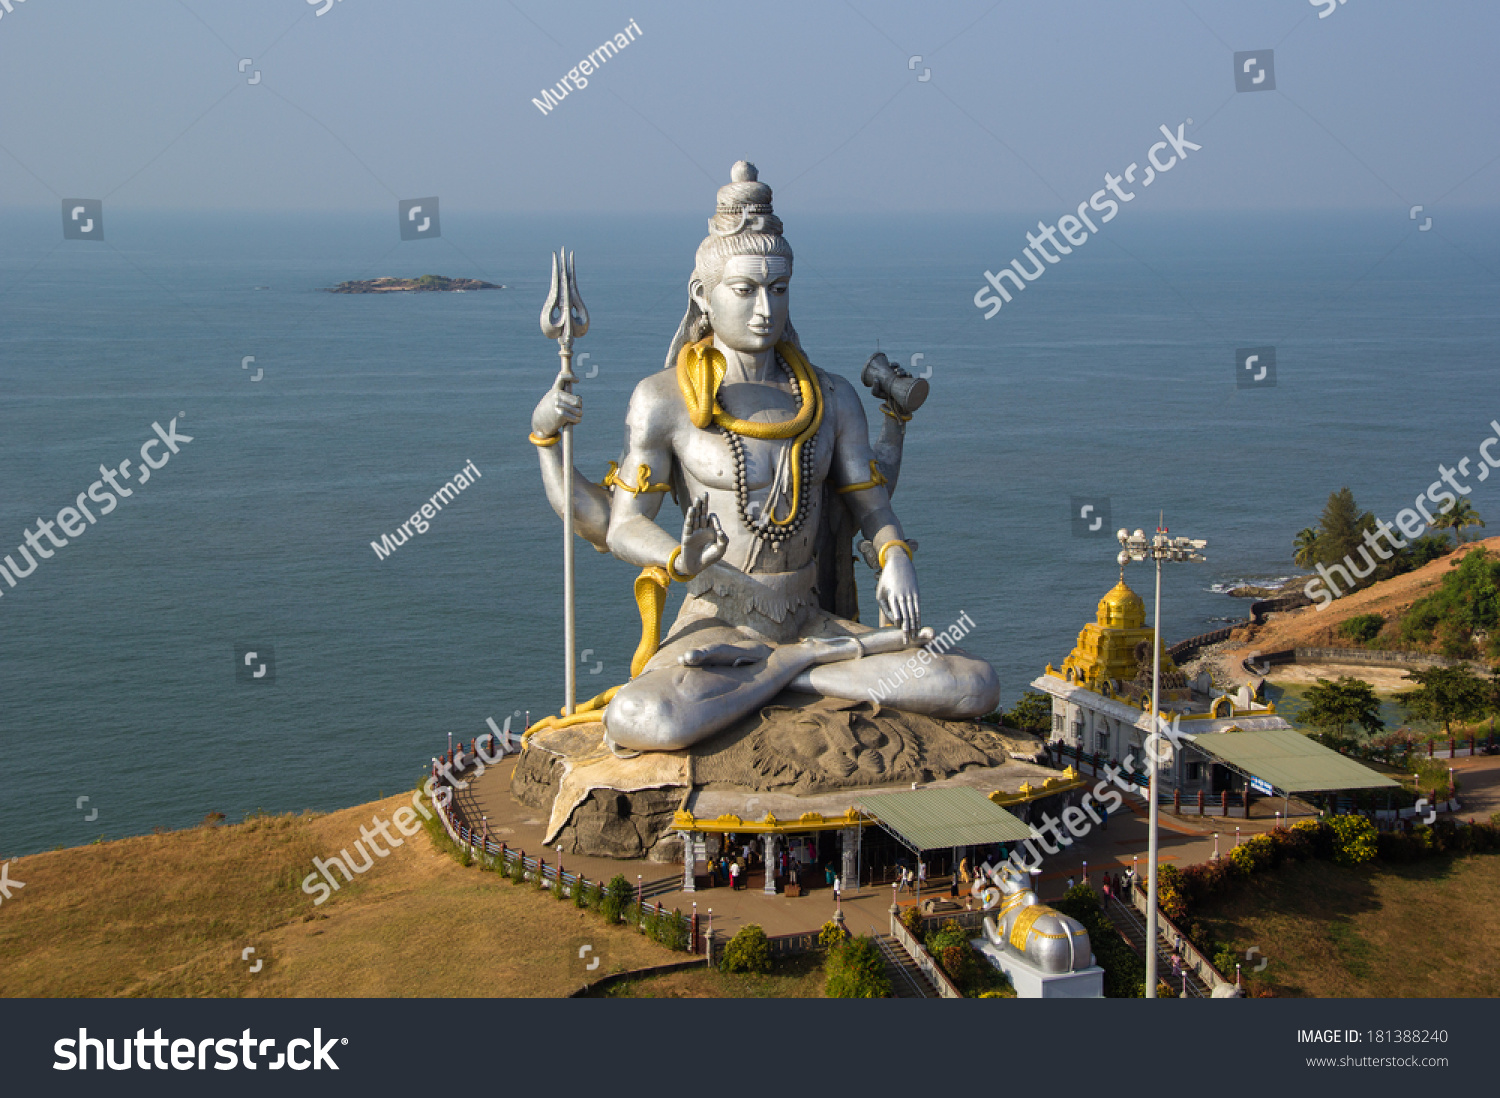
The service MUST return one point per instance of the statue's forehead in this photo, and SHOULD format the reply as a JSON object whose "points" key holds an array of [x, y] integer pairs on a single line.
{"points": [[762, 268]]}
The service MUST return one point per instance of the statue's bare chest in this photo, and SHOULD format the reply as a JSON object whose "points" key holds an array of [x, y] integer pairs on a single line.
{"points": [[708, 457]]}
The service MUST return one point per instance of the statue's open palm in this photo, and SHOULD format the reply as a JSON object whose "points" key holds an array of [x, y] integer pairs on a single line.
{"points": [[703, 539]]}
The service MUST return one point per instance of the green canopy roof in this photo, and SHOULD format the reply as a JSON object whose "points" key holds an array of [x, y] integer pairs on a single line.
{"points": [[934, 819], [1290, 761]]}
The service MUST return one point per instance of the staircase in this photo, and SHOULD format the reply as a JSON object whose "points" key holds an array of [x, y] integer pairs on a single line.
{"points": [[907, 980], [1132, 925]]}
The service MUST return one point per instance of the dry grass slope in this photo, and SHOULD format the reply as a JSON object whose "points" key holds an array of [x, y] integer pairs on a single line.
{"points": [[1403, 931], [169, 914]]}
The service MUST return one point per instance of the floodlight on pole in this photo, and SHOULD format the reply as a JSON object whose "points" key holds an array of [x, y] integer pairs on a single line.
{"points": [[1136, 547]]}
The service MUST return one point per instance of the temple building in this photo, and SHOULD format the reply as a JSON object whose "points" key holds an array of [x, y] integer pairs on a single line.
{"points": [[1101, 703]]}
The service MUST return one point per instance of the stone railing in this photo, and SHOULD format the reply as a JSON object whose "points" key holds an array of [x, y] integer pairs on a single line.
{"points": [[1373, 657], [788, 945], [969, 920], [497, 855], [1202, 967], [923, 960], [1381, 658], [1186, 649], [1260, 609]]}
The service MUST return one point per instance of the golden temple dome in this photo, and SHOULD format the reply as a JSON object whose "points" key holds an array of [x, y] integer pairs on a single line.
{"points": [[1122, 608], [1109, 648]]}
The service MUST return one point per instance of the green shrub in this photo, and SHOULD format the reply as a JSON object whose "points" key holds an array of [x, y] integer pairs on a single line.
{"points": [[1362, 628], [970, 971], [518, 869], [1355, 837], [831, 934], [1225, 960], [672, 931], [911, 918], [581, 892], [1084, 894], [617, 899], [1170, 899], [1320, 836], [856, 970], [748, 951]]}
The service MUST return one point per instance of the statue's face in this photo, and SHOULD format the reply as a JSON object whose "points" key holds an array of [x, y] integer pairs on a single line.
{"points": [[748, 308]]}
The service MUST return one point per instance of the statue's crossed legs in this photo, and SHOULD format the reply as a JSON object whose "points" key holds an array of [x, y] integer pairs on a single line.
{"points": [[708, 674]]}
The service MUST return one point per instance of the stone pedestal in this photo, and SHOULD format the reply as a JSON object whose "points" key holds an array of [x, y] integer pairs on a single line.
{"points": [[1031, 982], [801, 754]]}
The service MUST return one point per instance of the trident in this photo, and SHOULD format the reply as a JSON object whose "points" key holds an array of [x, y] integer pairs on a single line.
{"points": [[564, 318]]}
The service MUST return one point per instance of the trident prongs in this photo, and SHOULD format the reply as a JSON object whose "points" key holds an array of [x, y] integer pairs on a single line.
{"points": [[564, 315]]}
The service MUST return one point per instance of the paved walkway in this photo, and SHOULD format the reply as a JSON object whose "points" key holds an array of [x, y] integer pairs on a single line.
{"points": [[1478, 779], [1184, 841]]}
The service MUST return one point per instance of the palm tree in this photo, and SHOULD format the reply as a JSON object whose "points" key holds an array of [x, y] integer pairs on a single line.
{"points": [[1306, 548], [1457, 518]]}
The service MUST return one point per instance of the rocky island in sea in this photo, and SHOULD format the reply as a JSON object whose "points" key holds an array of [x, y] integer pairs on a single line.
{"points": [[432, 283]]}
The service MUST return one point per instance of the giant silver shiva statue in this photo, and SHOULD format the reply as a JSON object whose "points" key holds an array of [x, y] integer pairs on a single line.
{"points": [[770, 458]]}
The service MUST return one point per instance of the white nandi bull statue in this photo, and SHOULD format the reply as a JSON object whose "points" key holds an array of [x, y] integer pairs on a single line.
{"points": [[1047, 938]]}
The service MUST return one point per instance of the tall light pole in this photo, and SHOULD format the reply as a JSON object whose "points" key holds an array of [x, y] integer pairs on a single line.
{"points": [[1159, 548]]}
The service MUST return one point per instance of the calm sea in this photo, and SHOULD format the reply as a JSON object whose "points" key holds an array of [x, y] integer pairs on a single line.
{"points": [[1111, 376]]}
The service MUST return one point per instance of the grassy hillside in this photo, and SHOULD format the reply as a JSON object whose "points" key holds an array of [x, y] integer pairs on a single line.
{"points": [[170, 915], [1405, 931]]}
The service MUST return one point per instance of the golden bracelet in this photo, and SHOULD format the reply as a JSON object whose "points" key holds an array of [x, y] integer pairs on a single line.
{"points": [[877, 478], [886, 548], [904, 417], [538, 440], [672, 566], [642, 484]]}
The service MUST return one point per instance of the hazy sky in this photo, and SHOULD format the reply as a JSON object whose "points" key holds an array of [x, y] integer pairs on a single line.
{"points": [[1383, 103]]}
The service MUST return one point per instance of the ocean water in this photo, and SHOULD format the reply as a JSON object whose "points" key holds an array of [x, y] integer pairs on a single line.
{"points": [[1111, 376]]}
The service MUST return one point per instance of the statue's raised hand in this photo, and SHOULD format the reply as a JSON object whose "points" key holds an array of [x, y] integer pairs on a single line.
{"points": [[703, 539], [896, 593], [554, 411]]}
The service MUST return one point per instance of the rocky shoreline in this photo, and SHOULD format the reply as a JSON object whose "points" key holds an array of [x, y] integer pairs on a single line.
{"points": [[1255, 591], [425, 284]]}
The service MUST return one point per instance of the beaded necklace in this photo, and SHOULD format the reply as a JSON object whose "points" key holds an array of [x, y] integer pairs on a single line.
{"points": [[765, 527]]}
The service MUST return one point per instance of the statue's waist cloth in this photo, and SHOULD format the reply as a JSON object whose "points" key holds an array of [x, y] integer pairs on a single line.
{"points": [[724, 604]]}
